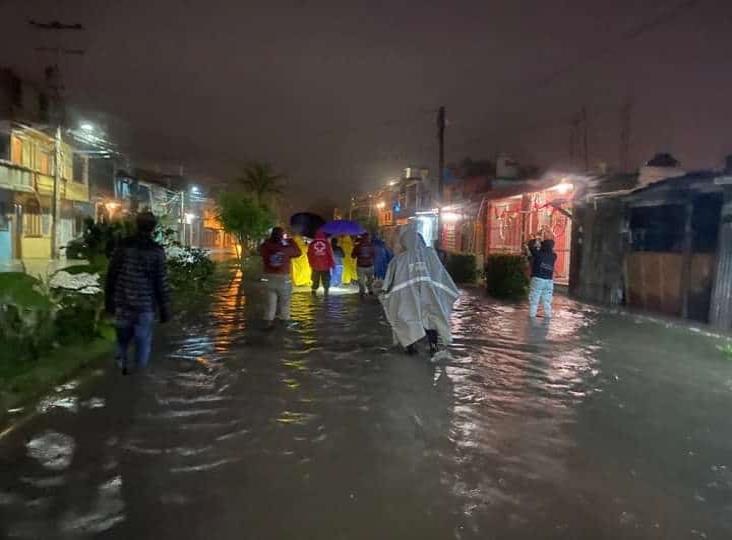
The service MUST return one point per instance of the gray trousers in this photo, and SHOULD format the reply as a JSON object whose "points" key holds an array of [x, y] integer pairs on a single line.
{"points": [[365, 279], [279, 295]]}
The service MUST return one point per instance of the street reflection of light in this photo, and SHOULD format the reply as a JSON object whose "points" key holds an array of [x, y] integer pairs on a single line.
{"points": [[228, 310]]}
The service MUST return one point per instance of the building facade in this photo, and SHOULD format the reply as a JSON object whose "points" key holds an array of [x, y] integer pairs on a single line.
{"points": [[27, 177]]}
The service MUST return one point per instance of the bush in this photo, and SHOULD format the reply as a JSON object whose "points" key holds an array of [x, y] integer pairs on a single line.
{"points": [[27, 315], [462, 268], [189, 268], [98, 241], [505, 276], [79, 294]]}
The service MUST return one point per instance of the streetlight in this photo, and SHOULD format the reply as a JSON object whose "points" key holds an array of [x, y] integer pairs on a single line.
{"points": [[564, 187]]}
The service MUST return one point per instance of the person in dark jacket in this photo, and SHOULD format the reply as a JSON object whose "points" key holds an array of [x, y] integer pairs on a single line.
{"points": [[382, 258], [364, 254], [137, 288], [541, 290]]}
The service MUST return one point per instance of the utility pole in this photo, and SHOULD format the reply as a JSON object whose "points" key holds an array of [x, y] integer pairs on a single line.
{"points": [[585, 139], [57, 87], [626, 112], [441, 158], [440, 165], [183, 218], [574, 125]]}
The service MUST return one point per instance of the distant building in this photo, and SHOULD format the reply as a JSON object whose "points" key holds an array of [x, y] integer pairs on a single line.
{"points": [[24, 101], [27, 168], [407, 198]]}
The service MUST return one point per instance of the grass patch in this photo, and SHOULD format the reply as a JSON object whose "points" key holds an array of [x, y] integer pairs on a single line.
{"points": [[22, 382]]}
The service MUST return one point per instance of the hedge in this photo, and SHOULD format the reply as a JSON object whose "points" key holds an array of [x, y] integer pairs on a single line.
{"points": [[505, 276]]}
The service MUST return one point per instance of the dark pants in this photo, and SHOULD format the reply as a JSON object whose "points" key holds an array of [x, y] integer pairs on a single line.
{"points": [[137, 327], [319, 277], [432, 336]]}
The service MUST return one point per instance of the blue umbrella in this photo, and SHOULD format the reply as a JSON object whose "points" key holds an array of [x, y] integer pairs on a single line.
{"points": [[343, 227]]}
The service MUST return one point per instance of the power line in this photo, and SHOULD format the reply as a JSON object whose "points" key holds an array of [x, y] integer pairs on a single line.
{"points": [[634, 32], [637, 30]]}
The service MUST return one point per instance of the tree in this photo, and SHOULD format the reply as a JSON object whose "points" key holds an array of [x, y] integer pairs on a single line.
{"points": [[245, 218], [262, 182]]}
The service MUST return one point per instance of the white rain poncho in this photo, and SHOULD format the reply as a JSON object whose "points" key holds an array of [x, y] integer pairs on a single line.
{"points": [[418, 292]]}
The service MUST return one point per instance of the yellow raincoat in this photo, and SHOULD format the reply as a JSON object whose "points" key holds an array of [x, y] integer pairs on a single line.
{"points": [[301, 274], [349, 263]]}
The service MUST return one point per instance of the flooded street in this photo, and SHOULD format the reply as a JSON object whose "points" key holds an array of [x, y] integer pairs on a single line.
{"points": [[595, 425]]}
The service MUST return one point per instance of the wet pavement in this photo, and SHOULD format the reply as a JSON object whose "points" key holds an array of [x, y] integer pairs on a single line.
{"points": [[595, 425]]}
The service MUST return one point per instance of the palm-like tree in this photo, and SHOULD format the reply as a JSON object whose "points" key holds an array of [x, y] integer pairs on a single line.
{"points": [[262, 182]]}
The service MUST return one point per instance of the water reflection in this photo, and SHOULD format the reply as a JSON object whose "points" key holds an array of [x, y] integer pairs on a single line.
{"points": [[569, 427]]}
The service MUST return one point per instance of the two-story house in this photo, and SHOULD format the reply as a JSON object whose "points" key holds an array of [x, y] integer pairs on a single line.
{"points": [[27, 176]]}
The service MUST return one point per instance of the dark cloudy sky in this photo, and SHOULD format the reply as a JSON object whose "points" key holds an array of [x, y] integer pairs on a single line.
{"points": [[341, 94]]}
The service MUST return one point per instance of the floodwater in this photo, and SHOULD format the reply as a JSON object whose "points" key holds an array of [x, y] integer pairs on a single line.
{"points": [[594, 425]]}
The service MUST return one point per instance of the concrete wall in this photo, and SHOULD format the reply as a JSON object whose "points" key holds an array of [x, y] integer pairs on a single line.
{"points": [[36, 248], [598, 249]]}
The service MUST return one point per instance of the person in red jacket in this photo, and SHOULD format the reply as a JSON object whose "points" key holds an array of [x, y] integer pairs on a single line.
{"points": [[320, 257], [276, 253]]}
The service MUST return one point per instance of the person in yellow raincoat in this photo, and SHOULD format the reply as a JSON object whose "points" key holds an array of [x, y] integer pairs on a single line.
{"points": [[350, 273], [301, 274]]}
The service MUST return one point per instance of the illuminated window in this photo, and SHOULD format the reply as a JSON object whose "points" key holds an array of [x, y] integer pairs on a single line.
{"points": [[16, 151], [45, 161], [27, 155]]}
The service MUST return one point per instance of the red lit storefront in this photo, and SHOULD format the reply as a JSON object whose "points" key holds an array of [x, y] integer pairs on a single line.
{"points": [[513, 220]]}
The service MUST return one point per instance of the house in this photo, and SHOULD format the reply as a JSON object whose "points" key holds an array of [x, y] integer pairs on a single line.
{"points": [[27, 169], [464, 194], [656, 241], [409, 198], [28, 151], [515, 215], [498, 209]]}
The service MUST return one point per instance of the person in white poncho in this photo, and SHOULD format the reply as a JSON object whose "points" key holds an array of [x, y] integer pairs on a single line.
{"points": [[418, 294]]}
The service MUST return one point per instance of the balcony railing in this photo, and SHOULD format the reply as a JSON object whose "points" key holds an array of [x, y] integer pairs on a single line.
{"points": [[14, 178]]}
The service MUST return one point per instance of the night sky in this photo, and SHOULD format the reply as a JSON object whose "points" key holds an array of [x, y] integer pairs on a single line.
{"points": [[342, 95]]}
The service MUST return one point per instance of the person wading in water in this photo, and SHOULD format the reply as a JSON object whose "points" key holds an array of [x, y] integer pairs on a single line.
{"points": [[137, 287], [277, 253]]}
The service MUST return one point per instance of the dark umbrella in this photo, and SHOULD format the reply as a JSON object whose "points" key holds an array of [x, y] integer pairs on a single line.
{"points": [[342, 227], [306, 223]]}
